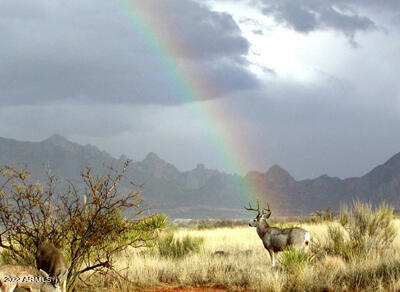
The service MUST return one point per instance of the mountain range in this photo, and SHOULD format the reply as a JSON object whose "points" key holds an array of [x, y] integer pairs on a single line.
{"points": [[203, 192]]}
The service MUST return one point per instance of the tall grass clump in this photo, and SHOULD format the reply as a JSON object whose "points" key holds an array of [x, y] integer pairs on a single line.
{"points": [[294, 259], [176, 247], [362, 231]]}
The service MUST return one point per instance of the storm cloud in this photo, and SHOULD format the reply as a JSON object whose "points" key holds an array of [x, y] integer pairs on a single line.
{"points": [[309, 15], [92, 51]]}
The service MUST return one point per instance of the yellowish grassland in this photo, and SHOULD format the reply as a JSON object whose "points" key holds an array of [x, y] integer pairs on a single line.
{"points": [[239, 270]]}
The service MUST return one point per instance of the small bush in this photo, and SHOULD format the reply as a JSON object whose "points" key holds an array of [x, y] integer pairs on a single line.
{"points": [[294, 259], [170, 246], [369, 229], [362, 231]]}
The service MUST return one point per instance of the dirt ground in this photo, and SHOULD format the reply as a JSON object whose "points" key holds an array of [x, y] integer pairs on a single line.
{"points": [[197, 289]]}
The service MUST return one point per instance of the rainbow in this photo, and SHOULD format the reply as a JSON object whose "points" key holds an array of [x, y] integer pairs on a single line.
{"points": [[226, 135]]}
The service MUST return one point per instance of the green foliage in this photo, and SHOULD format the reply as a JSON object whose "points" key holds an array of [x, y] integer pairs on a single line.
{"points": [[7, 258], [170, 246], [369, 229], [140, 231], [157, 221], [294, 259], [363, 231]]}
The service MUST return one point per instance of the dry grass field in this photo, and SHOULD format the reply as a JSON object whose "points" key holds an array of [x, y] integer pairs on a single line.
{"points": [[373, 264]]}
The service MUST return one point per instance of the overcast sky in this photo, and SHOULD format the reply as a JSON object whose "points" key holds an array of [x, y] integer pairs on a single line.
{"points": [[311, 85]]}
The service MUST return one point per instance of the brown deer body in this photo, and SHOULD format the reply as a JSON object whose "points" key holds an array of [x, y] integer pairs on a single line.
{"points": [[276, 239], [51, 260]]}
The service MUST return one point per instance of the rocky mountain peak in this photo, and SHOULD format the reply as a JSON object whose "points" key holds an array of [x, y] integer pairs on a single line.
{"points": [[57, 138], [158, 167], [60, 141], [278, 175], [394, 161], [152, 158], [383, 173]]}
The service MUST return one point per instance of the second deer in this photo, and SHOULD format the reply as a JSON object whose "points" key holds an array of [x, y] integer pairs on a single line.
{"points": [[51, 260]]}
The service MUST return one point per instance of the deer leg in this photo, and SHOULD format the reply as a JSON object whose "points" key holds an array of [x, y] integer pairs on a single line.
{"points": [[9, 288], [272, 256], [273, 259]]}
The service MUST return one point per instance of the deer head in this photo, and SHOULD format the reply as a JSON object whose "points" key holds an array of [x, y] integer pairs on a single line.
{"points": [[264, 213]]}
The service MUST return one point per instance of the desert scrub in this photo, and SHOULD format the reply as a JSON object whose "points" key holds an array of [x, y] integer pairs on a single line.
{"points": [[169, 245], [294, 259], [363, 231], [293, 262]]}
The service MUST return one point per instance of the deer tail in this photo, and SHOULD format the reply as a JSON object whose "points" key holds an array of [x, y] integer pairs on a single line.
{"points": [[307, 238]]}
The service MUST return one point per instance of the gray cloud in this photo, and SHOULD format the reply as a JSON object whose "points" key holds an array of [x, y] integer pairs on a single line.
{"points": [[391, 5], [202, 33], [21, 10], [93, 52], [309, 15], [396, 20]]}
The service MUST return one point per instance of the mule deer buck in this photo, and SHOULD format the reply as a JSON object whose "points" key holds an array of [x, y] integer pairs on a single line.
{"points": [[277, 239], [25, 277], [51, 260]]}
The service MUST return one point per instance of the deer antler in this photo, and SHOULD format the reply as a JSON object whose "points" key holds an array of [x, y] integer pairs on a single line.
{"points": [[252, 209], [267, 211]]}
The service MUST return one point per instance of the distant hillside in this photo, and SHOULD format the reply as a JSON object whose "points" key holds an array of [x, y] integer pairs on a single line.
{"points": [[64, 157], [380, 184], [202, 192]]}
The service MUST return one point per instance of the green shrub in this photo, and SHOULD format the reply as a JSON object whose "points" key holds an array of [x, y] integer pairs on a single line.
{"points": [[369, 229], [294, 259], [363, 231], [337, 244], [170, 246]]}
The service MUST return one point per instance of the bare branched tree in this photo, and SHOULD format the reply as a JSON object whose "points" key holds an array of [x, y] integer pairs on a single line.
{"points": [[85, 221]]}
